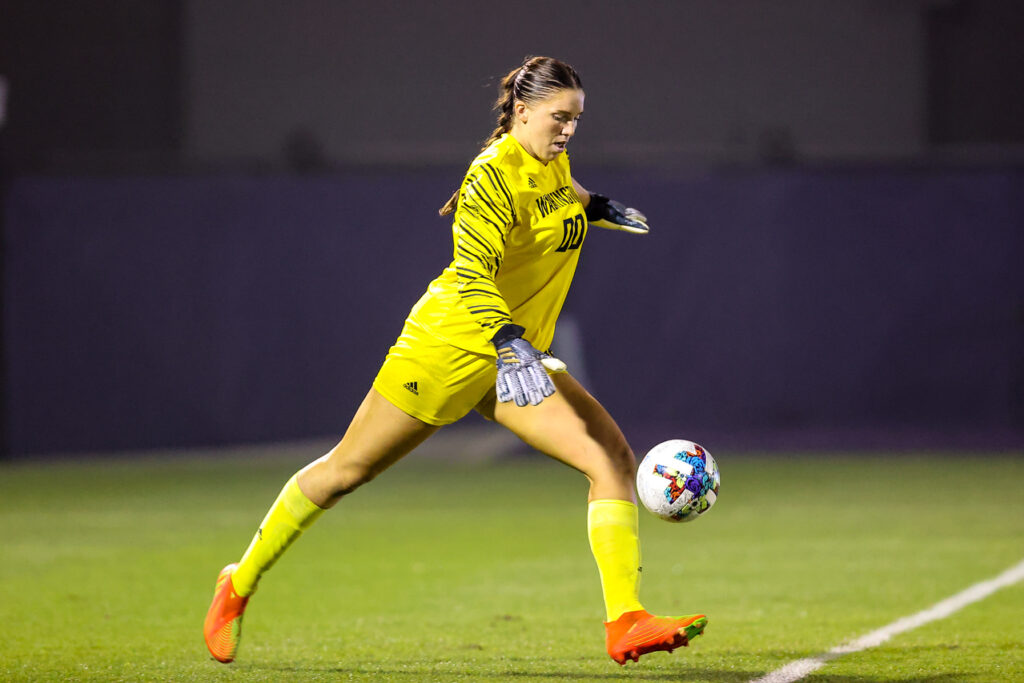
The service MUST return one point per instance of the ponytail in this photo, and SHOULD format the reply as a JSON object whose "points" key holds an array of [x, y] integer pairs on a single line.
{"points": [[536, 79]]}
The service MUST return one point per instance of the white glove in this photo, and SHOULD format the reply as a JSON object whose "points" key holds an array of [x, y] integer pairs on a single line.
{"points": [[522, 369]]}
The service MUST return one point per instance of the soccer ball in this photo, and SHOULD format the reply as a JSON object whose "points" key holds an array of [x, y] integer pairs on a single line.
{"points": [[678, 480]]}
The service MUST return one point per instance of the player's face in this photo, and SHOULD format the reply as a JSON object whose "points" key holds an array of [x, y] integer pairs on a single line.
{"points": [[545, 128]]}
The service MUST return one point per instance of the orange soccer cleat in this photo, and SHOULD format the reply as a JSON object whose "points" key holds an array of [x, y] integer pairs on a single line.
{"points": [[223, 626], [636, 633]]}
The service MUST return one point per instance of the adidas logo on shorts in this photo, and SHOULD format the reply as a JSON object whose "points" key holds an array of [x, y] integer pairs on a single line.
{"points": [[413, 387]]}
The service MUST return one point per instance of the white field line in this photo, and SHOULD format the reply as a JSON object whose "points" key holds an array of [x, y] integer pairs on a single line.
{"points": [[796, 670]]}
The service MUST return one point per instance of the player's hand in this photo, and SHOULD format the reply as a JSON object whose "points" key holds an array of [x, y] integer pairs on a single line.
{"points": [[613, 215], [522, 369]]}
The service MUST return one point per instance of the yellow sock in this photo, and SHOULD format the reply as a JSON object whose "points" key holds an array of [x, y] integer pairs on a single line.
{"points": [[614, 539], [290, 515]]}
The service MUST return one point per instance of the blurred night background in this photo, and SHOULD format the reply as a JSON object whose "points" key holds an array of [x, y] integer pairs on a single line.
{"points": [[216, 214]]}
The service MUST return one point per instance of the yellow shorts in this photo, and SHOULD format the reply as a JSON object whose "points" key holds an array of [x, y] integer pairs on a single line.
{"points": [[431, 380]]}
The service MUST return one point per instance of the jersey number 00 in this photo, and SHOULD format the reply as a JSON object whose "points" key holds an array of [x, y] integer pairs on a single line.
{"points": [[573, 231]]}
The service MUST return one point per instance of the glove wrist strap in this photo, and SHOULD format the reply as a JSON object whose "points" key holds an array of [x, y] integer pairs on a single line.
{"points": [[596, 207], [507, 333]]}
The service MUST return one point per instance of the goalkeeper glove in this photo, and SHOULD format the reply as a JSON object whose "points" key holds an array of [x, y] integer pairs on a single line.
{"points": [[613, 215], [521, 368]]}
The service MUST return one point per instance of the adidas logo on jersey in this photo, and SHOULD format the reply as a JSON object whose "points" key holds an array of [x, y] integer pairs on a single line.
{"points": [[413, 387], [531, 183]]}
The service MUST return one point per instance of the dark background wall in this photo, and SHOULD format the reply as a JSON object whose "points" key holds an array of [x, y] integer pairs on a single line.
{"points": [[835, 190], [667, 82], [196, 311], [91, 85], [119, 84]]}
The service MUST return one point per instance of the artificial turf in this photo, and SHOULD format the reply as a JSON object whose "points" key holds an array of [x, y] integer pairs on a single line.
{"points": [[442, 571]]}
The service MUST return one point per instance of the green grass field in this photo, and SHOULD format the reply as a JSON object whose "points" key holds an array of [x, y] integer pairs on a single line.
{"points": [[443, 571]]}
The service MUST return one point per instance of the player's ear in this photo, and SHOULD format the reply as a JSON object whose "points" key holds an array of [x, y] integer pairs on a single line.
{"points": [[521, 111]]}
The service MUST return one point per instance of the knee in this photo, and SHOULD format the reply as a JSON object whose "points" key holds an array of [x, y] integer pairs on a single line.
{"points": [[616, 463], [346, 477], [329, 479], [623, 460]]}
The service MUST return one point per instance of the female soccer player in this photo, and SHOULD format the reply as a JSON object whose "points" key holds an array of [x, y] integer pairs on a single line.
{"points": [[476, 340]]}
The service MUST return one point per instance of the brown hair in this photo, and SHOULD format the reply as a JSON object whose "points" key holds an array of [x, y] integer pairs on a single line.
{"points": [[537, 79]]}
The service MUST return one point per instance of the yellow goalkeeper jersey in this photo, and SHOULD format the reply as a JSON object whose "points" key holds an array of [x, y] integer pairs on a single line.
{"points": [[518, 229]]}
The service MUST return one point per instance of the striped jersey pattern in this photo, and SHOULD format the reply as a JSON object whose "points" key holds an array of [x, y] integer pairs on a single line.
{"points": [[487, 212], [517, 232]]}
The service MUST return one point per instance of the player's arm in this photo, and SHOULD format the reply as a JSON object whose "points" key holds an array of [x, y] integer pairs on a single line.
{"points": [[485, 214], [610, 214], [483, 218], [582, 192]]}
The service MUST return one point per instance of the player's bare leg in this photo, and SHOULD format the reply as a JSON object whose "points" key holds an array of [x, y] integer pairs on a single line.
{"points": [[379, 435], [573, 427]]}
